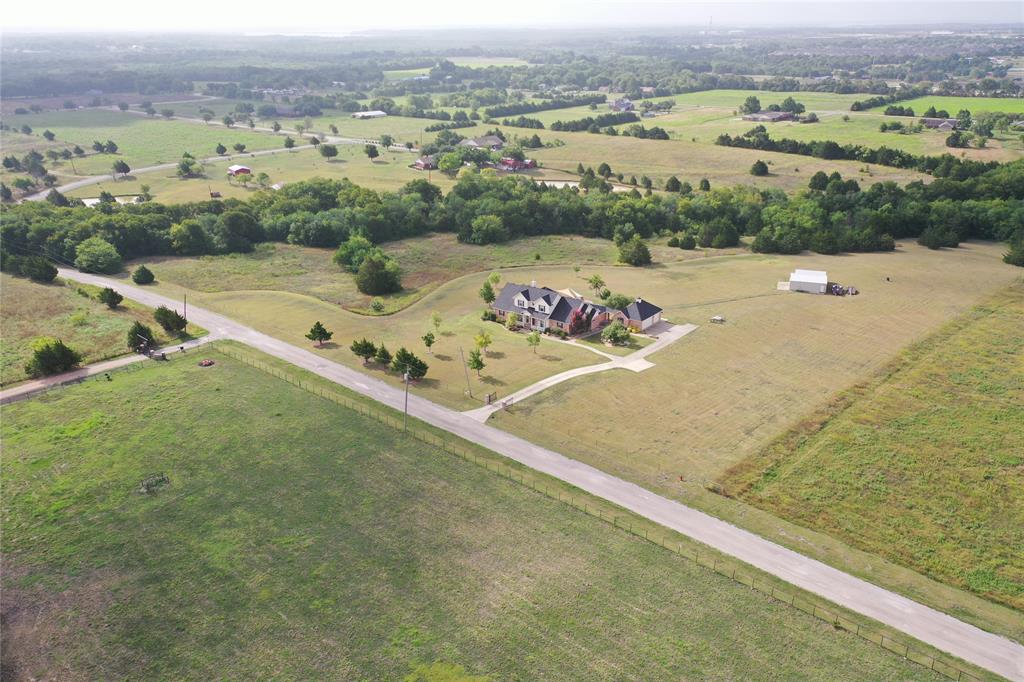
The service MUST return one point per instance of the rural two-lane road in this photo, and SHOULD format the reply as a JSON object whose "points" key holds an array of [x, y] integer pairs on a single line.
{"points": [[992, 652]]}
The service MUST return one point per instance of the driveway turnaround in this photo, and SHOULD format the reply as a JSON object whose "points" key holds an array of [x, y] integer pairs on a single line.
{"points": [[992, 652]]}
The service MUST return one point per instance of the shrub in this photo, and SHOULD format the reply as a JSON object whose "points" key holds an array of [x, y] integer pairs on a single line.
{"points": [[377, 305], [673, 241], [110, 297], [51, 356], [688, 242], [140, 337], [759, 168], [38, 269], [616, 334], [378, 274], [489, 316], [170, 320], [97, 255], [382, 356], [143, 275], [406, 361], [635, 252]]}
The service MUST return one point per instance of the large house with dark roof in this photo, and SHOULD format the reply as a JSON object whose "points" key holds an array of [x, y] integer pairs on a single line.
{"points": [[492, 142], [542, 309]]}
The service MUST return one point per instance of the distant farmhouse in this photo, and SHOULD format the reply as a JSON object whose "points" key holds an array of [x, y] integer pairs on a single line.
{"points": [[492, 142], [769, 116], [237, 170], [542, 308], [622, 105], [425, 163], [375, 113], [511, 165], [946, 124]]}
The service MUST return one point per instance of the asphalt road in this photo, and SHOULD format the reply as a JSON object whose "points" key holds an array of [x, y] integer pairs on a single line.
{"points": [[992, 652]]}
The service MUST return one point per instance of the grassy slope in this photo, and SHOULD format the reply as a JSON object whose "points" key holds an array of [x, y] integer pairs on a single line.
{"points": [[305, 538], [31, 310], [426, 262], [924, 466]]}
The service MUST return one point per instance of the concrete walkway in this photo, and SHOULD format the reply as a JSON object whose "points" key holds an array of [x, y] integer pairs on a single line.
{"points": [[30, 388], [635, 362], [944, 632]]}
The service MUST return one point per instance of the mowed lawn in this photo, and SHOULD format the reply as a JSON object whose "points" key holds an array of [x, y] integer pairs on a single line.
{"points": [[69, 312], [511, 363], [297, 538], [142, 141], [924, 466], [427, 262]]}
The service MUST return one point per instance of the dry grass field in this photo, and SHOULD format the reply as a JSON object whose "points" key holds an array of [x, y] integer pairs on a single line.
{"points": [[723, 391], [427, 262], [691, 161], [31, 310], [925, 465]]}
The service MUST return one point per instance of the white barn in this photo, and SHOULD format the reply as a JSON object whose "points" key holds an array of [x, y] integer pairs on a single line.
{"points": [[375, 113], [811, 281]]}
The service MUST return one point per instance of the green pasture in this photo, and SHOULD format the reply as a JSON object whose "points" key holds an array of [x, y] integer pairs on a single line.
{"points": [[307, 538], [143, 141]]}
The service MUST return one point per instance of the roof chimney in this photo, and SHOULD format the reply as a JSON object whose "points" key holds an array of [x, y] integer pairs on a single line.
{"points": [[533, 283], [639, 300]]}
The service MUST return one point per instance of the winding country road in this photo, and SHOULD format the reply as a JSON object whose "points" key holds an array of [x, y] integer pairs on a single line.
{"points": [[992, 652]]}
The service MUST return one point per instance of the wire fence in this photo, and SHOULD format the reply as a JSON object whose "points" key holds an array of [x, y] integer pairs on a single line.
{"points": [[709, 560]]}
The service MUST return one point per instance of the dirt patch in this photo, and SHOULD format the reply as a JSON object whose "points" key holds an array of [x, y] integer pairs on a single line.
{"points": [[46, 633]]}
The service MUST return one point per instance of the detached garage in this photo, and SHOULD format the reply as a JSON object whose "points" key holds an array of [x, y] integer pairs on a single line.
{"points": [[811, 281]]}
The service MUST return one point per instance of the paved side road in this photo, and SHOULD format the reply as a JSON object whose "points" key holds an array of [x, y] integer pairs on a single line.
{"points": [[992, 652]]}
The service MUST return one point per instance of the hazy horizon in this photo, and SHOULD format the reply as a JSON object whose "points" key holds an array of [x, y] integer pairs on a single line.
{"points": [[316, 18]]}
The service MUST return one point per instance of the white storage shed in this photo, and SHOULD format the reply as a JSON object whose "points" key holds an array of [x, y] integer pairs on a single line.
{"points": [[811, 281]]}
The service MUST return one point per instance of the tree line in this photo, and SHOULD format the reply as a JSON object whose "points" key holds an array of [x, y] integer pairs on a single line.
{"points": [[942, 166]]}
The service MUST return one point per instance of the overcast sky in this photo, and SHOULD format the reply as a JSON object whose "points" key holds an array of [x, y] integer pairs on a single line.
{"points": [[340, 16]]}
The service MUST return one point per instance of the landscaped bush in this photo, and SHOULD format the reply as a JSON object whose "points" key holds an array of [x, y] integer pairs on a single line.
{"points": [[616, 334], [635, 252]]}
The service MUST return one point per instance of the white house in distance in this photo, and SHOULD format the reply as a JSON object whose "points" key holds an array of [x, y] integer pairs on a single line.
{"points": [[370, 114], [811, 281]]}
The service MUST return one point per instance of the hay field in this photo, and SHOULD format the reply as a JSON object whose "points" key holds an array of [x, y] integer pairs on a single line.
{"points": [[925, 465]]}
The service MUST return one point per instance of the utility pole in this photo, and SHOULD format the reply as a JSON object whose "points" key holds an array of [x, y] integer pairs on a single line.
{"points": [[466, 367], [405, 424]]}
